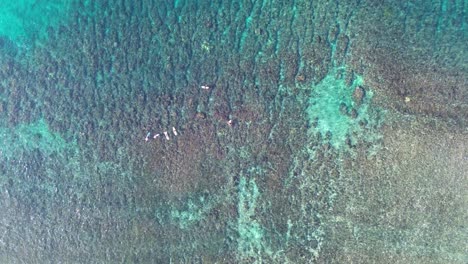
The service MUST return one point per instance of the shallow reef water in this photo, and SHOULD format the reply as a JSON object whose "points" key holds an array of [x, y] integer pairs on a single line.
{"points": [[233, 131]]}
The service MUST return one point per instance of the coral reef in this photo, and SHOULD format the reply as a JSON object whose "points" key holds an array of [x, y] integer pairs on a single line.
{"points": [[307, 131]]}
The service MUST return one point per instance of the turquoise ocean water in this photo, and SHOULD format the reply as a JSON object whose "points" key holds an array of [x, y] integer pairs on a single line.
{"points": [[233, 131]]}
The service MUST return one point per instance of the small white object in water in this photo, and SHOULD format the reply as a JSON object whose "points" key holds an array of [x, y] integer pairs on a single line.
{"points": [[174, 131], [156, 136], [166, 135], [147, 136], [205, 87]]}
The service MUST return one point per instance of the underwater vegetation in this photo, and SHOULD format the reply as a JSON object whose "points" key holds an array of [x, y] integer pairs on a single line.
{"points": [[233, 131]]}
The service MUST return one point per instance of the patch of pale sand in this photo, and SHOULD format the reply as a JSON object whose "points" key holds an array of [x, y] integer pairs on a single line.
{"points": [[407, 204]]}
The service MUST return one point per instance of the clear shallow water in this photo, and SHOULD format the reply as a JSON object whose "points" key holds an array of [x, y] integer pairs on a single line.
{"points": [[304, 132]]}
